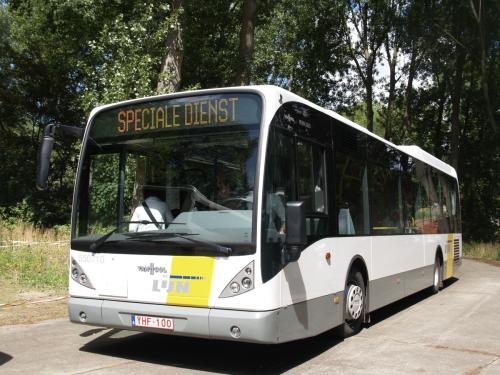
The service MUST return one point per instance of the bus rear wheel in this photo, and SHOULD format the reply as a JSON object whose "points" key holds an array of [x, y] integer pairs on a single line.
{"points": [[354, 303]]}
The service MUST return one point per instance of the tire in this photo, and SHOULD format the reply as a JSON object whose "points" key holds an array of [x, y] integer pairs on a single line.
{"points": [[354, 303], [437, 276]]}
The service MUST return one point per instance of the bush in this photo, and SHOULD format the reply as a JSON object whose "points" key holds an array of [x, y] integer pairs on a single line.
{"points": [[483, 250]]}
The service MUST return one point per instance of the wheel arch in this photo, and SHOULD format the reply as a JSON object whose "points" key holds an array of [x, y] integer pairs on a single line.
{"points": [[359, 263], [439, 255]]}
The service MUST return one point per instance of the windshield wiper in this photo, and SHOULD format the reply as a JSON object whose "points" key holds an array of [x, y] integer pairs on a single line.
{"points": [[104, 238], [101, 240], [220, 249]]}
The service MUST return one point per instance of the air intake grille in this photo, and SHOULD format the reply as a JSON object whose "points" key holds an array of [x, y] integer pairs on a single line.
{"points": [[456, 249]]}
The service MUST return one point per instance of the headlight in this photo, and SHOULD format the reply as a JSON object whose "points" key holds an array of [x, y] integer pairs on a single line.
{"points": [[235, 287], [79, 276], [241, 283], [246, 282]]}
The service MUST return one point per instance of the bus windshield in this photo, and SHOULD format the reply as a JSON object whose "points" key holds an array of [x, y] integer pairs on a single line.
{"points": [[175, 176]]}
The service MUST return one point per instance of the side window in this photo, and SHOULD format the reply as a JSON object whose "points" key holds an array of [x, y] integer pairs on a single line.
{"points": [[352, 196], [305, 174], [425, 216], [454, 207], [351, 182], [312, 187], [386, 200], [410, 206], [444, 203], [278, 189]]}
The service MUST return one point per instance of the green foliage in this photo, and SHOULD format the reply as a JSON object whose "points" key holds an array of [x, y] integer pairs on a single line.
{"points": [[32, 258], [210, 37], [357, 114], [483, 250], [42, 267], [59, 59], [124, 56], [299, 48]]}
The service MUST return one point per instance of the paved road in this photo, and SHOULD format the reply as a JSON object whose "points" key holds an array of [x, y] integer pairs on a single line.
{"points": [[454, 332]]}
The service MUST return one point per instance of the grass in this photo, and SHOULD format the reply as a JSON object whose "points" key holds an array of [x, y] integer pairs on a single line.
{"points": [[33, 259], [482, 250]]}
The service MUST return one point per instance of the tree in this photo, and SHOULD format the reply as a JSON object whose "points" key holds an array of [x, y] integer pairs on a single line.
{"points": [[58, 60], [299, 46], [243, 73], [480, 14], [210, 39], [365, 24], [392, 45], [170, 74]]}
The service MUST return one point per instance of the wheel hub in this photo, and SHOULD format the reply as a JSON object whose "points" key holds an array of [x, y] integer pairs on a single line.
{"points": [[354, 302]]}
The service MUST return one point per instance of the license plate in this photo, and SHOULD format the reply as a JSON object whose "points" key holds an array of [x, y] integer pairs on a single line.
{"points": [[152, 322]]}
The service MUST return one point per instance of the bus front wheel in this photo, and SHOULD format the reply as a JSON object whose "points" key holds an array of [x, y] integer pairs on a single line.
{"points": [[437, 277], [354, 303]]}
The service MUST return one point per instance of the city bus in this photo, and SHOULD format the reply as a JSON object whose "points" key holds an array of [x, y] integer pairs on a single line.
{"points": [[250, 214]]}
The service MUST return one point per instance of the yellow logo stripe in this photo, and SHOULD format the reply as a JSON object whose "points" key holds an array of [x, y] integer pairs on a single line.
{"points": [[449, 263], [192, 280]]}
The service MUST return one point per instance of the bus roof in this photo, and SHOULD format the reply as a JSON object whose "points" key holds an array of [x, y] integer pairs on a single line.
{"points": [[411, 150], [278, 93]]}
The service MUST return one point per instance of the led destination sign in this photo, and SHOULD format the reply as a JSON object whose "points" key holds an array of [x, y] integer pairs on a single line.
{"points": [[164, 115], [203, 112]]}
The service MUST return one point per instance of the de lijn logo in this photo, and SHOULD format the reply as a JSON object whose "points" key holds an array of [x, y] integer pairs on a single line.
{"points": [[177, 283]]}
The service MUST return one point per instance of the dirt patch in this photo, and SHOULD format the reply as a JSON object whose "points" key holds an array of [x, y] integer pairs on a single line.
{"points": [[21, 306], [32, 311], [492, 262]]}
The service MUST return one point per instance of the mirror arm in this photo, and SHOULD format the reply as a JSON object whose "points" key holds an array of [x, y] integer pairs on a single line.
{"points": [[51, 129], [70, 130]]}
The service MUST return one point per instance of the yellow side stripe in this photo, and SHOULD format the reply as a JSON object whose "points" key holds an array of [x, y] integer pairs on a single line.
{"points": [[449, 263]]}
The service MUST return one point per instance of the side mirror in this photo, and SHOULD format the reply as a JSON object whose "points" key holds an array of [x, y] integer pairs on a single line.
{"points": [[45, 150], [46, 145], [296, 237]]}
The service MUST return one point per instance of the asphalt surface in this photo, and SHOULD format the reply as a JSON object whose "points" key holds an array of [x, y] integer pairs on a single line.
{"points": [[454, 332]]}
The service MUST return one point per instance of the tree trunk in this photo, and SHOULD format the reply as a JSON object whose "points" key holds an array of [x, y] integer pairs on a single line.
{"points": [[407, 120], [438, 136], [392, 59], [479, 16], [456, 96], [246, 42], [170, 75], [370, 37], [369, 98]]}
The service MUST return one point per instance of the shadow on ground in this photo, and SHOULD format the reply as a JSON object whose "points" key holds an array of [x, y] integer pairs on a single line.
{"points": [[209, 355], [4, 358], [396, 307], [222, 356]]}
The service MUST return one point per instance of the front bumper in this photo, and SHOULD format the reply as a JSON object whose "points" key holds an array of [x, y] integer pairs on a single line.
{"points": [[255, 326]]}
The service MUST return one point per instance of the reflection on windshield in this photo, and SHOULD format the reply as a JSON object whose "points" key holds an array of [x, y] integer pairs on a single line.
{"points": [[201, 184]]}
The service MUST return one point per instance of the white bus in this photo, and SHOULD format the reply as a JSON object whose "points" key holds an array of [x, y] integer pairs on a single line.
{"points": [[251, 214]]}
